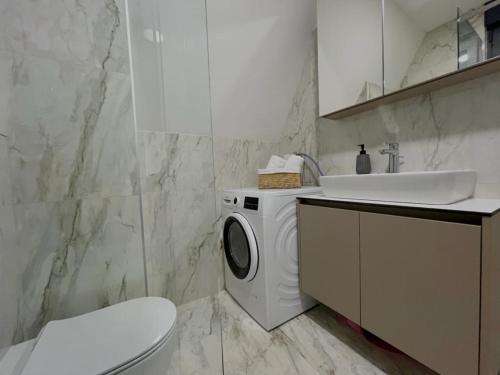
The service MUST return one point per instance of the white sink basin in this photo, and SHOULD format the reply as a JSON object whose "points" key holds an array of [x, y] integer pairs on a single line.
{"points": [[437, 187]]}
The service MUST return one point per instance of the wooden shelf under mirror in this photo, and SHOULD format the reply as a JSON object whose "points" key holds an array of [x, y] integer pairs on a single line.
{"points": [[450, 79]]}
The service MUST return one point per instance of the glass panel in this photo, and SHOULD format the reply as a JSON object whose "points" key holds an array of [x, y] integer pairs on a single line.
{"points": [[185, 66], [238, 245], [145, 41], [349, 52], [478, 33], [420, 41], [425, 40], [174, 138]]}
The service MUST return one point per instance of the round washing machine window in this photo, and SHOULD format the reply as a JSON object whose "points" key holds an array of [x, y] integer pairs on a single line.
{"points": [[240, 247]]}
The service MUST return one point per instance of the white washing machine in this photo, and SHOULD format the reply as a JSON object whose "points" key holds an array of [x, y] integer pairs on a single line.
{"points": [[261, 253]]}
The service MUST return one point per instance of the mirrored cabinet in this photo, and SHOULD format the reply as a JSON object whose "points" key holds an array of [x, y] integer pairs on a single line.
{"points": [[373, 52], [349, 52]]}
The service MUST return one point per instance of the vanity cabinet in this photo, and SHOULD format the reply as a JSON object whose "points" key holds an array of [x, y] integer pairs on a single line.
{"points": [[420, 288], [425, 281], [329, 258]]}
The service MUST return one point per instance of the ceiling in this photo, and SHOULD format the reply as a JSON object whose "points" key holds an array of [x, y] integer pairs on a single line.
{"points": [[429, 14]]}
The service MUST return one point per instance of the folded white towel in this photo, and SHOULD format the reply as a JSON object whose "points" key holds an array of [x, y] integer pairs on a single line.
{"points": [[294, 162], [276, 162]]}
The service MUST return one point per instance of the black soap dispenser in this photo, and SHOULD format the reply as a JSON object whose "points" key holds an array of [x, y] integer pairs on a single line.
{"points": [[363, 164]]}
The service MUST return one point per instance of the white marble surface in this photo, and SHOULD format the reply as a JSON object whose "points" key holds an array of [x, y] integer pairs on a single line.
{"points": [[436, 56], [200, 341], [75, 257], [473, 205], [70, 223], [69, 125], [183, 259], [10, 276], [216, 334], [453, 128]]}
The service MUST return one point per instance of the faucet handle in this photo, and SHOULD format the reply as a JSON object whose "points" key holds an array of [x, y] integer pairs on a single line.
{"points": [[393, 145]]}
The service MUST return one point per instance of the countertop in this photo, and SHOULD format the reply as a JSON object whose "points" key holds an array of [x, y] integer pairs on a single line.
{"points": [[481, 206]]}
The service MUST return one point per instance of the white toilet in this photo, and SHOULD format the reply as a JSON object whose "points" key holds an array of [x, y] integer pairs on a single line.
{"points": [[136, 337]]}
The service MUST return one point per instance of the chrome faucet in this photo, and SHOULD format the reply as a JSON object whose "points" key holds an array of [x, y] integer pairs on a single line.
{"points": [[394, 157]]}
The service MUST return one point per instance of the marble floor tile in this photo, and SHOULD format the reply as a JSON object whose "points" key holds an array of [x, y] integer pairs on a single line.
{"points": [[200, 338], [218, 337]]}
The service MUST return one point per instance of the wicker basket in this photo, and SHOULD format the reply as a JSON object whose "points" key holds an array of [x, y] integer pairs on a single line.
{"points": [[280, 181]]}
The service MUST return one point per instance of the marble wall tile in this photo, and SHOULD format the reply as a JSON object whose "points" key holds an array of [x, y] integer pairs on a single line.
{"points": [[69, 127], [5, 185], [236, 162], [160, 260], [453, 128], [191, 205], [69, 208], [10, 280], [179, 208], [436, 56], [152, 154], [75, 257], [300, 131]]}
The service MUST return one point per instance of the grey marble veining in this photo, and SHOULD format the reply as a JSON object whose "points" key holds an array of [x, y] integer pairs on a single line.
{"points": [[10, 280], [75, 257], [436, 56], [300, 131], [5, 184], [216, 332], [453, 128], [237, 160], [200, 345], [69, 126], [236, 163], [179, 201], [70, 223]]}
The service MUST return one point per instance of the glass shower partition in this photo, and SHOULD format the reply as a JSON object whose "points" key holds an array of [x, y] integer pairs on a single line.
{"points": [[171, 89]]}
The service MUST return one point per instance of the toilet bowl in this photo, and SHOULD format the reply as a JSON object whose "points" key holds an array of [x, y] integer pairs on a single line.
{"points": [[137, 337]]}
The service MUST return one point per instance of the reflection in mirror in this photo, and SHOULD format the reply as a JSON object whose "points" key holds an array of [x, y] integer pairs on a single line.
{"points": [[349, 53], [423, 39], [478, 33]]}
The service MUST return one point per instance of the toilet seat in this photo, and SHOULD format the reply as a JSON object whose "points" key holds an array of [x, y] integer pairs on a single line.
{"points": [[103, 341]]}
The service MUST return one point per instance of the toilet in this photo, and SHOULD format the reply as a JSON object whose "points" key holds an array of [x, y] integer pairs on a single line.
{"points": [[137, 337]]}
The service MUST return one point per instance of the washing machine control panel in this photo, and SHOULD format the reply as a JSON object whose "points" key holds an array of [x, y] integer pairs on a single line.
{"points": [[230, 200], [251, 203], [246, 202]]}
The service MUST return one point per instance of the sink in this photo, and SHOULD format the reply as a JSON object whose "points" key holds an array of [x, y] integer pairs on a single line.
{"points": [[436, 187]]}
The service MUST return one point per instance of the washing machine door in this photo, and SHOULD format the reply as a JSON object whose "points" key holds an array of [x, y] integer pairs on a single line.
{"points": [[240, 247]]}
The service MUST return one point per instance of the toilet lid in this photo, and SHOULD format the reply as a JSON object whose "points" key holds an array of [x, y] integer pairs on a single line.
{"points": [[103, 340]]}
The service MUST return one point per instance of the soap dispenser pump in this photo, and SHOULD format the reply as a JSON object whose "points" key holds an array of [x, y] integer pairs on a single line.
{"points": [[363, 164]]}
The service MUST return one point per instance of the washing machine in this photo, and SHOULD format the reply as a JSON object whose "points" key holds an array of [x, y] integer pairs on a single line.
{"points": [[261, 253]]}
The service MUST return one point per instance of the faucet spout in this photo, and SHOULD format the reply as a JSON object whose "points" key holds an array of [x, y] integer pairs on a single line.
{"points": [[394, 157]]}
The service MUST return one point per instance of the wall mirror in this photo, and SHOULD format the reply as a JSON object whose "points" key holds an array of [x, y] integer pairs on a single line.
{"points": [[418, 40], [349, 52]]}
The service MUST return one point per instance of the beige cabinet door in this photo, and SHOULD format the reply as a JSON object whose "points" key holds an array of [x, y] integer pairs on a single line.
{"points": [[420, 289], [329, 258]]}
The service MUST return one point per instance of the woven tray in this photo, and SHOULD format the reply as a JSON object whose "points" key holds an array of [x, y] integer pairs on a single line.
{"points": [[280, 181]]}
